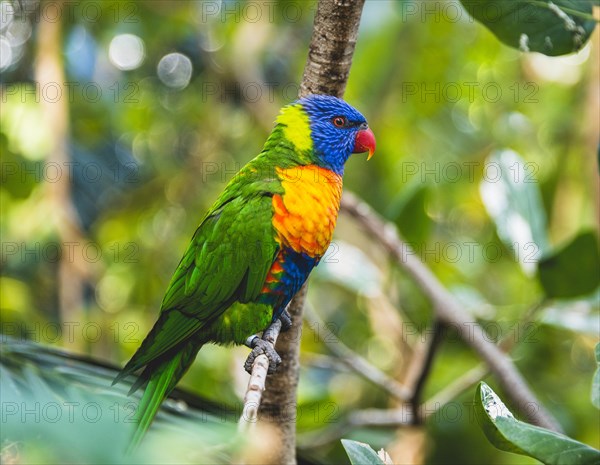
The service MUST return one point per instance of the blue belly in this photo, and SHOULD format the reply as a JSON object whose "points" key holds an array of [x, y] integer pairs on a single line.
{"points": [[296, 268]]}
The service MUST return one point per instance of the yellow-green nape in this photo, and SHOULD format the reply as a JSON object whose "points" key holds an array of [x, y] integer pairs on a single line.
{"points": [[296, 126]]}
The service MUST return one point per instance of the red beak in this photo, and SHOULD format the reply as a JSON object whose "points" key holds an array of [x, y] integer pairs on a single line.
{"points": [[365, 142]]}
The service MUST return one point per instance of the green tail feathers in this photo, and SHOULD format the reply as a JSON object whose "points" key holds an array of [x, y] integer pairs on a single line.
{"points": [[160, 378], [156, 391]]}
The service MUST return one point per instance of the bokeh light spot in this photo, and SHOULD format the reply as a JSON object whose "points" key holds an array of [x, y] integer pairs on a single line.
{"points": [[6, 54], [126, 51], [19, 32], [175, 70]]}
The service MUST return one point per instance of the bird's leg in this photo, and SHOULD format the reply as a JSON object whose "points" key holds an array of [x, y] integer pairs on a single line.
{"points": [[286, 320], [261, 347], [264, 345]]}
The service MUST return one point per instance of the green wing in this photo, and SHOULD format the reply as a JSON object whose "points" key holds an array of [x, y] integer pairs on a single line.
{"points": [[228, 257], [227, 260]]}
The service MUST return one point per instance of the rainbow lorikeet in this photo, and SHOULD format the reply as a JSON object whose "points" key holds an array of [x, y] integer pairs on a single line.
{"points": [[255, 247]]}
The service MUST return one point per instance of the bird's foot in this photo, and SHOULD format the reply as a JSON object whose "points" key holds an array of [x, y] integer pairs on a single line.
{"points": [[286, 320], [262, 347]]}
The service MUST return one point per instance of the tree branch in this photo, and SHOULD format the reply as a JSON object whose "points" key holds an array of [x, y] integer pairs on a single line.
{"points": [[256, 383], [448, 310], [331, 47], [279, 400], [423, 367], [376, 417], [401, 416], [455, 388], [471, 377], [357, 363]]}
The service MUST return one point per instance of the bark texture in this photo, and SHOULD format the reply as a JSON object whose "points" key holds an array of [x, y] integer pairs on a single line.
{"points": [[331, 47]]}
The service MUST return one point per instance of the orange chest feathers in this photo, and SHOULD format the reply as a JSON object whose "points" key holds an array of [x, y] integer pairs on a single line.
{"points": [[305, 215]]}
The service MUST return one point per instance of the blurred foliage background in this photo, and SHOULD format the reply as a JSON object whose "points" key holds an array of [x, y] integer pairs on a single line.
{"points": [[121, 122]]}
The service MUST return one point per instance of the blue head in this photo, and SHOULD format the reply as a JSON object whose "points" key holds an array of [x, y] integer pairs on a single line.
{"points": [[334, 130]]}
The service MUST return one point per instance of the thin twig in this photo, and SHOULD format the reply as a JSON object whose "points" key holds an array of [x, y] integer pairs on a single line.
{"points": [[454, 389], [450, 312], [401, 416], [256, 383], [425, 365], [406, 415], [355, 362]]}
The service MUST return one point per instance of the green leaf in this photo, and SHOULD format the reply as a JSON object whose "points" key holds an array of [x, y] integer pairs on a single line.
{"points": [[512, 198], [550, 27], [360, 453], [573, 270], [596, 380], [507, 433]]}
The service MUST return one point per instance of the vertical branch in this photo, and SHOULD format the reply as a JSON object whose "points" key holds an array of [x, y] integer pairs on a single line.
{"points": [[422, 365], [331, 47], [49, 69], [326, 72]]}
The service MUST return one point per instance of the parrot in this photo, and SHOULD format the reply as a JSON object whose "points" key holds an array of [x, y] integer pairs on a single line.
{"points": [[254, 248]]}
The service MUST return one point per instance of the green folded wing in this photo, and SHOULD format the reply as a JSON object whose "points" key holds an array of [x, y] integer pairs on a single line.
{"points": [[226, 261], [228, 258]]}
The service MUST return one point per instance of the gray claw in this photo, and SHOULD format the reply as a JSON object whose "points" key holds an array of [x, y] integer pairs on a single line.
{"points": [[260, 347]]}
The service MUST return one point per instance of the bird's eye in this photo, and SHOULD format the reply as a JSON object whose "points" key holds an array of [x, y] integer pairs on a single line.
{"points": [[340, 121]]}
